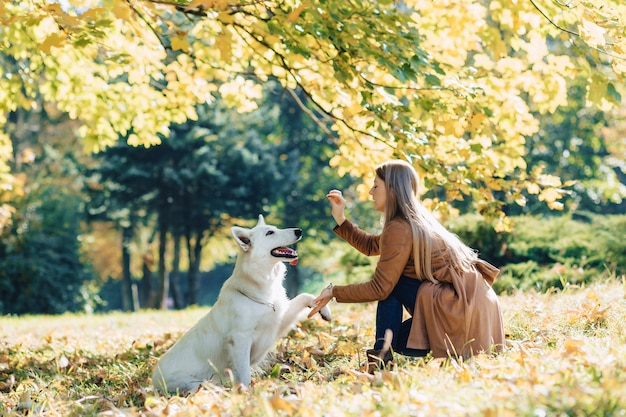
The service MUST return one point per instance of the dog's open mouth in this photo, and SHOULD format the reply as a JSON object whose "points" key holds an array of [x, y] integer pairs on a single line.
{"points": [[285, 252]]}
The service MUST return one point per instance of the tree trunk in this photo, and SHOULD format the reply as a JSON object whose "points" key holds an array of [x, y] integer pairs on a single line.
{"points": [[163, 278], [148, 293], [177, 295], [193, 276], [127, 304]]}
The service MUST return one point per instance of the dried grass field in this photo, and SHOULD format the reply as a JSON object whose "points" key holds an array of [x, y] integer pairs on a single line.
{"points": [[566, 356]]}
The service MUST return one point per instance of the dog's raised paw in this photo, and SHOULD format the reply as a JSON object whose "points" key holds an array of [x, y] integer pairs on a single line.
{"points": [[326, 314]]}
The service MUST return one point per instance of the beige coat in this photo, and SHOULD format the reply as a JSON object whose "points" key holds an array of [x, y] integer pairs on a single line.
{"points": [[457, 316]]}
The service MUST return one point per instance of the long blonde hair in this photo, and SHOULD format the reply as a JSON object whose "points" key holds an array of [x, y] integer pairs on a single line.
{"points": [[402, 191]]}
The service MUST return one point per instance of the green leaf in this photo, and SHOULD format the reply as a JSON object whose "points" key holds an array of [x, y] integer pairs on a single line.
{"points": [[275, 371], [433, 80], [612, 92]]}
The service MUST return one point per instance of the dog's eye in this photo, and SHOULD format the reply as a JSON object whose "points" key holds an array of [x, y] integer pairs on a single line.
{"points": [[269, 232]]}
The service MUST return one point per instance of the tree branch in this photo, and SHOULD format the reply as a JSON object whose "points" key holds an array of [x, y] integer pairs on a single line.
{"points": [[312, 115], [553, 23], [570, 32]]}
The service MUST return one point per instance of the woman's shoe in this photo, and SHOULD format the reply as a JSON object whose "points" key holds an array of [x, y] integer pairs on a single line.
{"points": [[376, 361]]}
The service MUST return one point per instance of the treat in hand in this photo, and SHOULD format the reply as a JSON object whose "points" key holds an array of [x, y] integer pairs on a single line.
{"points": [[335, 196]]}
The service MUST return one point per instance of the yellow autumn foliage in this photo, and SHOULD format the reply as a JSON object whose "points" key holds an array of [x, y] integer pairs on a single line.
{"points": [[418, 82]]}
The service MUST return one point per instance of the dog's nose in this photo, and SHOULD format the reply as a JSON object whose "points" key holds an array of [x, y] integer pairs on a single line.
{"points": [[298, 232]]}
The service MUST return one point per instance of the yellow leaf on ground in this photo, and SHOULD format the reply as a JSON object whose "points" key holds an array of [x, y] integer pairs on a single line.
{"points": [[464, 374], [573, 346], [591, 295], [295, 14], [279, 403], [325, 339]]}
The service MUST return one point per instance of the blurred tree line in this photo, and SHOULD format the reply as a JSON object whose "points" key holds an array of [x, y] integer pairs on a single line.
{"points": [[147, 215], [206, 176]]}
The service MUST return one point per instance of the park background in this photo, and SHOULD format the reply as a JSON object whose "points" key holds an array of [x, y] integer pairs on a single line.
{"points": [[135, 134]]}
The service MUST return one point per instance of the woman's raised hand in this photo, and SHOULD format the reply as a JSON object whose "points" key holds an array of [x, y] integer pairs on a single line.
{"points": [[338, 205]]}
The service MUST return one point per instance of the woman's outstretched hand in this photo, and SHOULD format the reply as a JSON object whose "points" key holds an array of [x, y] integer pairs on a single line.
{"points": [[337, 205], [324, 298]]}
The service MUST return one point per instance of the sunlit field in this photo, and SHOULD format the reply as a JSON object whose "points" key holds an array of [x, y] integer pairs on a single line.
{"points": [[566, 356]]}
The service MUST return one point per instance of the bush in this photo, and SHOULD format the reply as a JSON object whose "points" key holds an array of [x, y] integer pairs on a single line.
{"points": [[608, 239], [40, 266], [549, 252], [530, 275], [547, 240], [476, 233]]}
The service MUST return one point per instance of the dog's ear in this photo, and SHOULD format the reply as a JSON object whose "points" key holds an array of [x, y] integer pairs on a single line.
{"points": [[242, 236], [261, 220]]}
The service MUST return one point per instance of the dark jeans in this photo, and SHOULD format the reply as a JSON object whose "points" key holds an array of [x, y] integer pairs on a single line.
{"points": [[389, 316]]}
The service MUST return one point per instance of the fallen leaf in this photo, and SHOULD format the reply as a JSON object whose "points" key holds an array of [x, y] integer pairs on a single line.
{"points": [[315, 351], [279, 403], [7, 386], [573, 346], [63, 362]]}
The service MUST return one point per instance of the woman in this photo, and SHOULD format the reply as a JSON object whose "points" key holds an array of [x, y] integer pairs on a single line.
{"points": [[422, 267]]}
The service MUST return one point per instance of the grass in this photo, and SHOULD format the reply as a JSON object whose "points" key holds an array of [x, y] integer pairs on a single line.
{"points": [[566, 357]]}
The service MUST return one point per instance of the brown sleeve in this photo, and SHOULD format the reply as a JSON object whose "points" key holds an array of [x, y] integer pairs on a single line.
{"points": [[396, 245], [364, 242]]}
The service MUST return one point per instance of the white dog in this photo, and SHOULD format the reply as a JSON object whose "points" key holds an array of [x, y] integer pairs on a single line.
{"points": [[251, 313]]}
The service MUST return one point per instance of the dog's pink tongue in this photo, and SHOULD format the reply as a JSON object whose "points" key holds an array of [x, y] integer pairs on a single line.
{"points": [[294, 262]]}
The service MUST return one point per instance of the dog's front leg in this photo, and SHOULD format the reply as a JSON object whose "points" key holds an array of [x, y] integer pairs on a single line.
{"points": [[238, 347], [297, 309]]}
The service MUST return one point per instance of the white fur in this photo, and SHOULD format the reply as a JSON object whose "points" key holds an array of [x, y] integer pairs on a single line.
{"points": [[251, 313]]}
